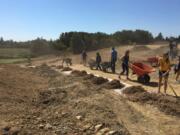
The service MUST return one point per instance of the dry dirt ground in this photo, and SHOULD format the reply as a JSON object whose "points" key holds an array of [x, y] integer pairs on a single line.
{"points": [[42, 101], [137, 53]]}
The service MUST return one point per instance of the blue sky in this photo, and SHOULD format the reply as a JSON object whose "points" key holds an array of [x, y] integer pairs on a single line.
{"points": [[27, 19]]}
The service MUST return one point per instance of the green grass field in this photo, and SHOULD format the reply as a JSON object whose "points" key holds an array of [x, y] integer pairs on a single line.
{"points": [[12, 61], [6, 53], [13, 55]]}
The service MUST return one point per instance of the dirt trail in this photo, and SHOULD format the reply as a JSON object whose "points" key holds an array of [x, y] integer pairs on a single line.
{"points": [[152, 87]]}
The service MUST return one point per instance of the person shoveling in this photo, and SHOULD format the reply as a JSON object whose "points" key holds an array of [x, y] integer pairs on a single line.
{"points": [[164, 69]]}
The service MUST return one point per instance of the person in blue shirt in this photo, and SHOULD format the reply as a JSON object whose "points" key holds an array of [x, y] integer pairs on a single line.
{"points": [[98, 61], [125, 64], [113, 60]]}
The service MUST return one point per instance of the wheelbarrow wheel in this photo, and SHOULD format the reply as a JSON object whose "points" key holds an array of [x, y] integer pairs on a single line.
{"points": [[146, 78], [140, 79]]}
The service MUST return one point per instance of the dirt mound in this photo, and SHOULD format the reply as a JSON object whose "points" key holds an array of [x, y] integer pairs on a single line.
{"points": [[114, 84], [66, 69], [99, 80], [89, 76], [79, 73], [45, 71], [59, 67], [140, 48], [168, 104], [133, 90]]}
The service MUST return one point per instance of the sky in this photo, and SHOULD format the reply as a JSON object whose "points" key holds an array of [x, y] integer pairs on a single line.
{"points": [[22, 20]]}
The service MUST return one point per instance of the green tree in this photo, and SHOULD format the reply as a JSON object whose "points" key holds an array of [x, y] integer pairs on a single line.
{"points": [[159, 37]]}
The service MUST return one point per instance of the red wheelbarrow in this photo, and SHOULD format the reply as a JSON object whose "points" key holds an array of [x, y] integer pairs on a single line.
{"points": [[142, 71], [153, 61]]}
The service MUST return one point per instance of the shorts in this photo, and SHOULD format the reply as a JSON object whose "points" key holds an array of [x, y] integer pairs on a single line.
{"points": [[161, 73]]}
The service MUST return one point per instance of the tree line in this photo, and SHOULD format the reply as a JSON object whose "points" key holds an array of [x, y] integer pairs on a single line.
{"points": [[77, 41]]}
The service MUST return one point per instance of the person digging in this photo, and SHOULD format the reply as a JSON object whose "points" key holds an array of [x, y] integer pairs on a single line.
{"points": [[164, 69]]}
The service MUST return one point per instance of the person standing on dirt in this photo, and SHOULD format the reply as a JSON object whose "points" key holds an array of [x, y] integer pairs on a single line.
{"points": [[125, 64], [113, 60], [171, 46], [164, 69], [84, 57], [177, 70], [98, 61]]}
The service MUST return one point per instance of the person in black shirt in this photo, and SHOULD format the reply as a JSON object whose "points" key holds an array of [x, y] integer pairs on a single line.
{"points": [[84, 57], [98, 61], [113, 60], [125, 64]]}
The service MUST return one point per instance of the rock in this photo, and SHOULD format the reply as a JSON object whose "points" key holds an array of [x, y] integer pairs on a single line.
{"points": [[55, 124], [79, 117], [64, 113], [98, 127], [38, 119], [104, 130], [112, 132], [41, 126], [48, 126], [86, 127], [14, 131]]}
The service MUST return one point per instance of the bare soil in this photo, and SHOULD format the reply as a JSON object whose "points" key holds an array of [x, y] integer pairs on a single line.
{"points": [[47, 102], [42, 101], [168, 104]]}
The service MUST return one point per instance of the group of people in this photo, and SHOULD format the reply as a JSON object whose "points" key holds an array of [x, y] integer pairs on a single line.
{"points": [[114, 58], [164, 66]]}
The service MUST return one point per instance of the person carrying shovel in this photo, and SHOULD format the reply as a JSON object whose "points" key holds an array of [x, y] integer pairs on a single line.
{"points": [[164, 69]]}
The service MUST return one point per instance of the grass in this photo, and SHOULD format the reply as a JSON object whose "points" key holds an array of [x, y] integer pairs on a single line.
{"points": [[9, 53], [13, 55], [12, 61]]}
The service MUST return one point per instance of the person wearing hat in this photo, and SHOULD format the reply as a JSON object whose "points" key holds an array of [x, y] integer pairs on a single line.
{"points": [[164, 69]]}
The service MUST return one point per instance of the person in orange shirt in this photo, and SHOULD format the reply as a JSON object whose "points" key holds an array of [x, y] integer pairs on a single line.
{"points": [[164, 69]]}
